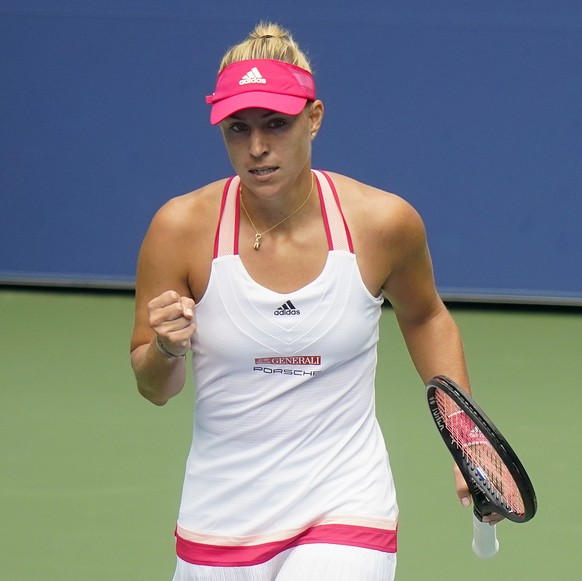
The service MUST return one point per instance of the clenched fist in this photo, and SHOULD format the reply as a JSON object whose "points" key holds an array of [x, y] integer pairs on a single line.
{"points": [[171, 317]]}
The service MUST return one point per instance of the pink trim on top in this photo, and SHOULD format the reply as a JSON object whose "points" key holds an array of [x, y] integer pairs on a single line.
{"points": [[222, 206], [248, 555], [339, 207], [324, 215], [236, 219]]}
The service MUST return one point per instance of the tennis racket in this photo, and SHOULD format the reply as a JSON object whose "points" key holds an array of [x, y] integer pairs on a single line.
{"points": [[496, 478]]}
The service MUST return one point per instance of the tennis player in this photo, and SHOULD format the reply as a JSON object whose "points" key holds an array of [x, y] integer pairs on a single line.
{"points": [[274, 279]]}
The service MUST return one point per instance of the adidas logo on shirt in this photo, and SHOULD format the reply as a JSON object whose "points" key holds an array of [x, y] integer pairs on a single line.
{"points": [[287, 308], [253, 76]]}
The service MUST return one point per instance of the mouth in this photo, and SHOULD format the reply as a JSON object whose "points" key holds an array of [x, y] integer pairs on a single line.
{"points": [[263, 171]]}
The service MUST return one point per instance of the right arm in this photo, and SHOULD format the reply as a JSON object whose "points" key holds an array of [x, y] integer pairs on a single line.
{"points": [[164, 307]]}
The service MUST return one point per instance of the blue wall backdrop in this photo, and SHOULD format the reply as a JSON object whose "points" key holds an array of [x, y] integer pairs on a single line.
{"points": [[471, 111]]}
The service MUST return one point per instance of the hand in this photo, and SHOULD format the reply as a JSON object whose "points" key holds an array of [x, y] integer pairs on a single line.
{"points": [[465, 496], [171, 317]]}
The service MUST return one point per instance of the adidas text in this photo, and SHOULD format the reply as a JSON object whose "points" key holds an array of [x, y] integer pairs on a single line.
{"points": [[253, 77], [250, 81], [287, 308]]}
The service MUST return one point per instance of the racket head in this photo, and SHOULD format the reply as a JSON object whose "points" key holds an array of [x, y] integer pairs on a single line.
{"points": [[494, 474]]}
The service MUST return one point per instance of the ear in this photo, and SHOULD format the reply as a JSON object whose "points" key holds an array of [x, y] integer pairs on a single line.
{"points": [[315, 115]]}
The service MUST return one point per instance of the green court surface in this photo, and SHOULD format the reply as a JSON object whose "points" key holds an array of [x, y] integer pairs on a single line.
{"points": [[90, 473]]}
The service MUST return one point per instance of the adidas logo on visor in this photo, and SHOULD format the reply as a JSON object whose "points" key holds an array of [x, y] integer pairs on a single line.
{"points": [[253, 76]]}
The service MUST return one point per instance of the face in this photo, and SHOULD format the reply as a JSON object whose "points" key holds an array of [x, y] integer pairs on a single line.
{"points": [[270, 150]]}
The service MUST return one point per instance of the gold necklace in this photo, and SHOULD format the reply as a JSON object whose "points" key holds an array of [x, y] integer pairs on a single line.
{"points": [[258, 235]]}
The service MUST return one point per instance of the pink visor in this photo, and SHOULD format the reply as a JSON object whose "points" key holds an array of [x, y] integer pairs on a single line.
{"points": [[263, 83]]}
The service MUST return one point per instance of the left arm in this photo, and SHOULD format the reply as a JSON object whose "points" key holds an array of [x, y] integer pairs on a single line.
{"points": [[430, 333]]}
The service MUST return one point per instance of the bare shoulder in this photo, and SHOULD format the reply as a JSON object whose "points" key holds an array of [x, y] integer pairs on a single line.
{"points": [[178, 248], [372, 211], [190, 214], [387, 232]]}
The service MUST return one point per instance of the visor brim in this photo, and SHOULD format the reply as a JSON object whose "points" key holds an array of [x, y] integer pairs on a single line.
{"points": [[287, 104]]}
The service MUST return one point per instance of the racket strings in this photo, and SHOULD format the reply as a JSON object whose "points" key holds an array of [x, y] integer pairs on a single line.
{"points": [[486, 464]]}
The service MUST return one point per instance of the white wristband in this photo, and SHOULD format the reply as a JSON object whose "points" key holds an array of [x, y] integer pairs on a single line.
{"points": [[165, 352]]}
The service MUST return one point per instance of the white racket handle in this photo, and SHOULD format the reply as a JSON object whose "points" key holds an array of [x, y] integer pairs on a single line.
{"points": [[485, 543]]}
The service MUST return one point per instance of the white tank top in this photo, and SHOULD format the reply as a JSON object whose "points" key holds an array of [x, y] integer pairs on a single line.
{"points": [[286, 447]]}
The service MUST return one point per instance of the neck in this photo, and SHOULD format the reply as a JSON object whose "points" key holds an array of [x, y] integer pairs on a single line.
{"points": [[282, 216]]}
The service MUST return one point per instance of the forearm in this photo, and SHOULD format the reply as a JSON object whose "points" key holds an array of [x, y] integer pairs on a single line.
{"points": [[436, 347], [158, 377]]}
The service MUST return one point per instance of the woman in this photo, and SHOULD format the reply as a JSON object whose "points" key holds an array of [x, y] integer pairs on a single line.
{"points": [[274, 279]]}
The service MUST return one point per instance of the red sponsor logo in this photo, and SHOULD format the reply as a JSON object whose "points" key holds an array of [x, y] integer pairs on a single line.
{"points": [[295, 360]]}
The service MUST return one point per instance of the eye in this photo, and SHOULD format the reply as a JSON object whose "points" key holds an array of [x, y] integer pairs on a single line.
{"points": [[277, 123], [238, 127]]}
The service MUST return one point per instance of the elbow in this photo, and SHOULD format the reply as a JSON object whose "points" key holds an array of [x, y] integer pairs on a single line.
{"points": [[157, 399], [158, 402]]}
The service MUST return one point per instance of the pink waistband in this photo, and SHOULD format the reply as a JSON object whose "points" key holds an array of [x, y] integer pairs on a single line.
{"points": [[241, 556]]}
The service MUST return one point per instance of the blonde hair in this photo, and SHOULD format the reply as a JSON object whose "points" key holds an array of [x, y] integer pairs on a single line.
{"points": [[267, 41]]}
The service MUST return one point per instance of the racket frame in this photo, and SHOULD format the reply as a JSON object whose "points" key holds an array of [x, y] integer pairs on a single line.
{"points": [[484, 500]]}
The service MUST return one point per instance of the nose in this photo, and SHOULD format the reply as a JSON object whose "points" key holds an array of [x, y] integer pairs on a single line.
{"points": [[258, 144]]}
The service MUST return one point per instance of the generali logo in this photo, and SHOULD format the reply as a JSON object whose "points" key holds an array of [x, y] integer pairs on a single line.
{"points": [[295, 360]]}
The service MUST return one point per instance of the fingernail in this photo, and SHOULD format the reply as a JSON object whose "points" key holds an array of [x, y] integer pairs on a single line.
{"points": [[189, 312], [465, 501]]}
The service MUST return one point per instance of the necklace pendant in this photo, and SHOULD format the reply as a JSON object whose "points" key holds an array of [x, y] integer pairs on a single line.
{"points": [[257, 244]]}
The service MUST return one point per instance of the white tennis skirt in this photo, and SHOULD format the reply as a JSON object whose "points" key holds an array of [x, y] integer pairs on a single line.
{"points": [[316, 562]]}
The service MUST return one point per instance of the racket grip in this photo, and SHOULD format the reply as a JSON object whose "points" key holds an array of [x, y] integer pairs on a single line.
{"points": [[485, 543]]}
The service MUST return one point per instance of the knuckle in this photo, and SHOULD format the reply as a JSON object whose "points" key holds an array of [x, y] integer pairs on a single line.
{"points": [[172, 295]]}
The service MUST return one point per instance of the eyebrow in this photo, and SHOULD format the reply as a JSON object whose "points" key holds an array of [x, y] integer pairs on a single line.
{"points": [[264, 116]]}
